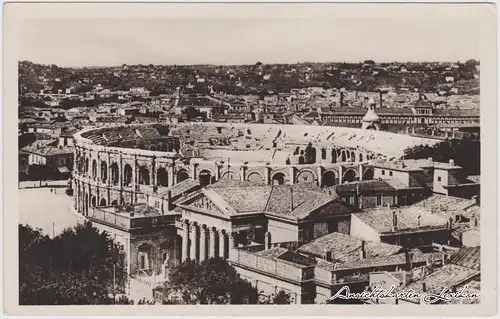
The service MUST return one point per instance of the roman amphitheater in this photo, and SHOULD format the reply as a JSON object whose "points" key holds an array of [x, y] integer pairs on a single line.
{"points": [[124, 164]]}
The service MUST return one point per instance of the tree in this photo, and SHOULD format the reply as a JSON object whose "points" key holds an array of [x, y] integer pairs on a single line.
{"points": [[80, 266], [280, 298], [466, 153], [212, 281]]}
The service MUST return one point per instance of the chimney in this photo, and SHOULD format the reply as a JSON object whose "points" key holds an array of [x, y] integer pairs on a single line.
{"points": [[380, 95], [341, 102], [362, 252], [424, 288], [451, 223], [443, 258], [418, 221], [328, 255], [452, 162], [267, 240], [394, 221]]}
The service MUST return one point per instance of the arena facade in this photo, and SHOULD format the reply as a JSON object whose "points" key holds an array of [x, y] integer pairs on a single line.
{"points": [[117, 165]]}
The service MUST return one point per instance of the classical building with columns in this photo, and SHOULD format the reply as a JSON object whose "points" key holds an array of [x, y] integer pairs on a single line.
{"points": [[197, 190]]}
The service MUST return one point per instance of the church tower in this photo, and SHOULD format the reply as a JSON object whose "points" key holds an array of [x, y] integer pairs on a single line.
{"points": [[371, 121]]}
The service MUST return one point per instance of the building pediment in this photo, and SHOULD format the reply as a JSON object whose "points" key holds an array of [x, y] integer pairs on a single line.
{"points": [[210, 202]]}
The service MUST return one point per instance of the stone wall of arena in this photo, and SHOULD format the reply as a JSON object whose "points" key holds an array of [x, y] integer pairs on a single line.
{"points": [[104, 175]]}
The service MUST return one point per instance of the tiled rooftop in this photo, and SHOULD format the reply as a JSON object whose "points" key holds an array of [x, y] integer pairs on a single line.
{"points": [[181, 188], [447, 276], [372, 185], [347, 248], [381, 219], [445, 206], [469, 257]]}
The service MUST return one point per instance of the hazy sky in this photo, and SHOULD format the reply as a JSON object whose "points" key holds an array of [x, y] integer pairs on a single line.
{"points": [[93, 42]]}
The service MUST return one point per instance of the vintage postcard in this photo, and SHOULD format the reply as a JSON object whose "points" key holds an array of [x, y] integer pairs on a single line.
{"points": [[294, 159]]}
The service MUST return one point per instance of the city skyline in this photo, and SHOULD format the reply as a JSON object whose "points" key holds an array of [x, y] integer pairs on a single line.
{"points": [[106, 43]]}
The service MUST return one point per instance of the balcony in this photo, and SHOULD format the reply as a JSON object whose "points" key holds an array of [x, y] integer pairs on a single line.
{"points": [[130, 219]]}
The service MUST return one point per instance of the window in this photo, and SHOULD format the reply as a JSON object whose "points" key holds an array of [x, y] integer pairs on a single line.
{"points": [[383, 172], [379, 199], [439, 178], [390, 173]]}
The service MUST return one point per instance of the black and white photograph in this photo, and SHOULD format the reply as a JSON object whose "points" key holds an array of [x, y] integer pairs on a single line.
{"points": [[251, 161]]}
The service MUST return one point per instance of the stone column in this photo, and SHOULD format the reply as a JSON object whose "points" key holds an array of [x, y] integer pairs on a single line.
{"points": [[266, 174], [153, 172], [185, 240], [203, 243], [291, 175], [218, 171], [171, 174], [195, 166], [319, 171], [243, 170], [329, 158], [232, 244], [110, 172], [360, 172], [341, 173], [222, 244], [120, 172], [99, 177], [267, 240], [194, 242], [318, 154], [211, 243], [134, 174]]}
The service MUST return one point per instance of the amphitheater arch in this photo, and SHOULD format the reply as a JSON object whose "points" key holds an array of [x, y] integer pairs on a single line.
{"points": [[93, 201], [344, 156], [231, 175], [144, 178], [94, 169], [102, 202], [115, 175], [182, 175], [205, 177], [329, 178], [306, 176], [104, 171], [353, 157], [360, 157], [368, 174], [162, 177], [334, 156], [114, 203], [278, 178], [127, 174], [350, 175], [255, 177]]}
